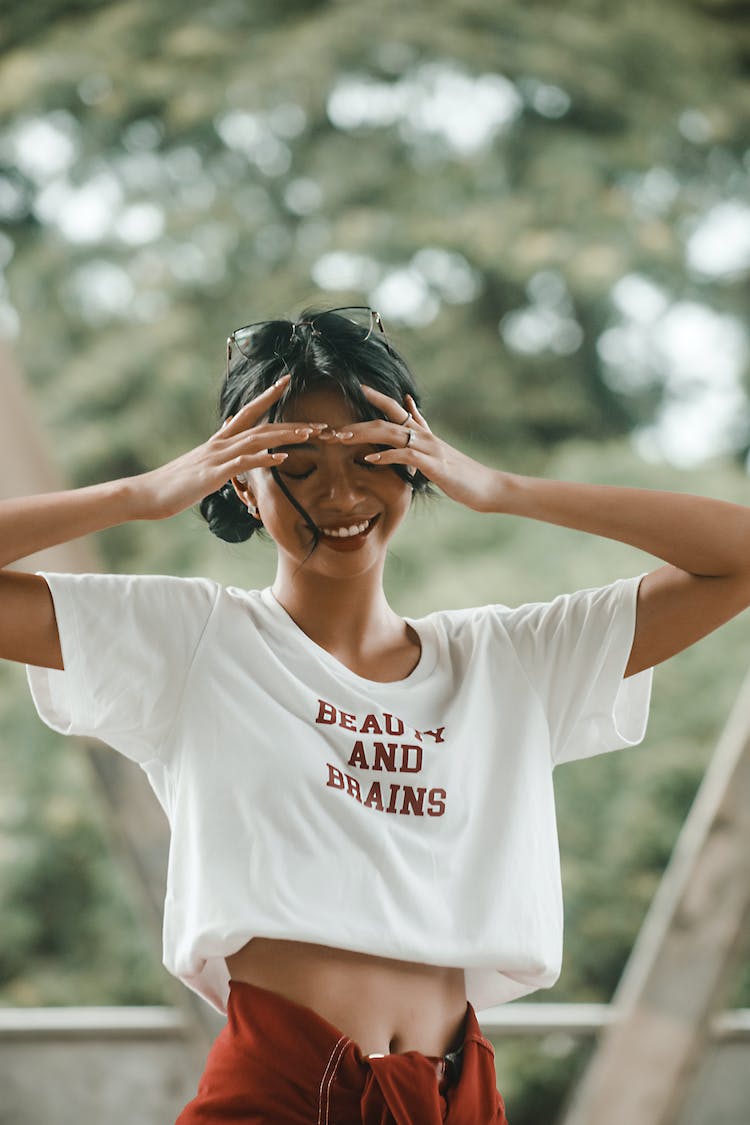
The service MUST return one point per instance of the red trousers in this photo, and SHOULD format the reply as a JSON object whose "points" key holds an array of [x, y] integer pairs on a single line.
{"points": [[277, 1062]]}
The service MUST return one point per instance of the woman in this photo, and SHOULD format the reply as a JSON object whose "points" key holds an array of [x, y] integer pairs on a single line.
{"points": [[363, 834]]}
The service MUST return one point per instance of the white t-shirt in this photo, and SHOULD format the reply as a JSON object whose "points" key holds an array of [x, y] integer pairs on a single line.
{"points": [[412, 820]]}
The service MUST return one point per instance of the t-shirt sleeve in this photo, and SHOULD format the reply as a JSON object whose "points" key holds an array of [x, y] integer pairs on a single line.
{"points": [[574, 650], [128, 642]]}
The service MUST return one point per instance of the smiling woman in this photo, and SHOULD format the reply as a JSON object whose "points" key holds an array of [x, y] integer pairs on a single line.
{"points": [[325, 350], [342, 502], [359, 802]]}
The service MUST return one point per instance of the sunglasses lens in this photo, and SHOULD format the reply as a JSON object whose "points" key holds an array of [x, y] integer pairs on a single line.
{"points": [[363, 317], [278, 334], [277, 331], [360, 316]]}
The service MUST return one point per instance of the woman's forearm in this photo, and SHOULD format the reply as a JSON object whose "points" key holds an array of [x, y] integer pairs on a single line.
{"points": [[32, 523], [696, 534]]}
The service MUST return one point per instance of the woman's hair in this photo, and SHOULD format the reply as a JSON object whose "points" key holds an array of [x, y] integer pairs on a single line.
{"points": [[333, 353]]}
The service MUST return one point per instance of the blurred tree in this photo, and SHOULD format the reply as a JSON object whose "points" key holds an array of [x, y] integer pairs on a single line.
{"points": [[487, 176]]}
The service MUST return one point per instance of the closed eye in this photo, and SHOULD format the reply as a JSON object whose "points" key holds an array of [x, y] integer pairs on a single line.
{"points": [[294, 467], [297, 476], [361, 464]]}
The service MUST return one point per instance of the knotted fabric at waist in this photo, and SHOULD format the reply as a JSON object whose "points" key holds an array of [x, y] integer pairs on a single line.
{"points": [[280, 1061]]}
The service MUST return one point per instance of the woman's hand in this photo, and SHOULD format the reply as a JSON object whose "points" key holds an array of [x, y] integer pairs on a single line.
{"points": [[239, 445], [460, 477]]}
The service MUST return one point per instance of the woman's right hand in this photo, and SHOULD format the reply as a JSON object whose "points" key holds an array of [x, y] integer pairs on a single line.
{"points": [[239, 445]]}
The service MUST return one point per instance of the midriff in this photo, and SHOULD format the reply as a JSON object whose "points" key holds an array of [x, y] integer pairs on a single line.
{"points": [[386, 1006]]}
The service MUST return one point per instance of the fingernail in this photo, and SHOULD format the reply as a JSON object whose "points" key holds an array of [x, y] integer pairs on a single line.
{"points": [[283, 379], [303, 430], [371, 457], [344, 434], [279, 456]]}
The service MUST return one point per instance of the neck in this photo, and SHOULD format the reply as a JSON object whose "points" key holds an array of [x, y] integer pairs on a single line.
{"points": [[337, 613]]}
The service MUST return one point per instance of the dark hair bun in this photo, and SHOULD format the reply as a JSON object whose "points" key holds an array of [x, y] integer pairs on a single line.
{"points": [[226, 515]]}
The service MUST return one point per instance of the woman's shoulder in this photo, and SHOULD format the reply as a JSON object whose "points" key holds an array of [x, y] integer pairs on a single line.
{"points": [[565, 611], [465, 621], [195, 590], [492, 618], [134, 592]]}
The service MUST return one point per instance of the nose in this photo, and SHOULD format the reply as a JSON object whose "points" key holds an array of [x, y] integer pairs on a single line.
{"points": [[340, 483]]}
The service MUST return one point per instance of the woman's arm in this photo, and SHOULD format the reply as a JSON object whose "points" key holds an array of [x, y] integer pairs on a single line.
{"points": [[28, 628], [33, 523], [705, 543], [705, 537]]}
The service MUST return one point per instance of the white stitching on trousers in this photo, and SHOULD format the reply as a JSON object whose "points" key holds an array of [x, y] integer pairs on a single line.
{"points": [[340, 1047]]}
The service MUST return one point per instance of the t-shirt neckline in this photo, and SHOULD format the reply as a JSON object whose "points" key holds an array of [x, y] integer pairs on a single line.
{"points": [[423, 626]]}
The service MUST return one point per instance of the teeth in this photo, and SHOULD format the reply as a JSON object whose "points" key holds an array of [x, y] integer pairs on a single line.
{"points": [[345, 532]]}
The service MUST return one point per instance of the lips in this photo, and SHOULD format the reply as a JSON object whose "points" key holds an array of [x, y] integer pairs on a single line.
{"points": [[349, 531], [348, 542]]}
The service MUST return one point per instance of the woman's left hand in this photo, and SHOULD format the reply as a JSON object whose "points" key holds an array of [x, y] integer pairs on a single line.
{"points": [[460, 477]]}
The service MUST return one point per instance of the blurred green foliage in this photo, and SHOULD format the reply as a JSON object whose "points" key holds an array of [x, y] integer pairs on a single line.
{"points": [[496, 166]]}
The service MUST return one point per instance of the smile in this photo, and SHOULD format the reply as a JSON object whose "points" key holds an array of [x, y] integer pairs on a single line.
{"points": [[348, 538], [346, 532]]}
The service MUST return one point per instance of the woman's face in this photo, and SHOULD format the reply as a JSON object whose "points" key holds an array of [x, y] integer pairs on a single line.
{"points": [[337, 489]]}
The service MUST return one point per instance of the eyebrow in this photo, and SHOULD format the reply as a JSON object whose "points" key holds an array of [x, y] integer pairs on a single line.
{"points": [[312, 446]]}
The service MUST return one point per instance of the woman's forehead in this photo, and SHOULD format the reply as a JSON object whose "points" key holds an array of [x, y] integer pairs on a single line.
{"points": [[320, 405]]}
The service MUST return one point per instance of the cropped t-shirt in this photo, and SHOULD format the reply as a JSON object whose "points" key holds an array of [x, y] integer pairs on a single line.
{"points": [[412, 819]]}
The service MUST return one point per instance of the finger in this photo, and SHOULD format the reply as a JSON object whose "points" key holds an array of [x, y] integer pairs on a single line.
{"points": [[394, 410], [258, 451], [256, 408], [376, 432], [281, 429], [239, 467], [414, 411], [269, 436], [402, 456]]}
